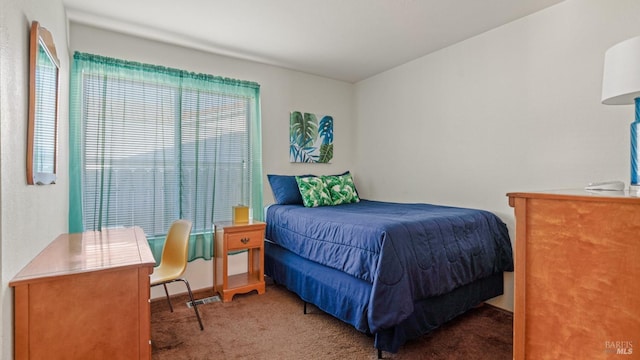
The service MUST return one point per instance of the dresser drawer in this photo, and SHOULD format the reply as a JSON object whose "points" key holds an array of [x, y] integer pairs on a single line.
{"points": [[244, 240]]}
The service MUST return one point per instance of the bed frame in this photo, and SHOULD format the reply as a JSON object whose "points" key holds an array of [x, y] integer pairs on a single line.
{"points": [[314, 283]]}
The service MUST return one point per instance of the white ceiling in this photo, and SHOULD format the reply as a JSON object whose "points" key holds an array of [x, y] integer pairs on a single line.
{"points": [[347, 40]]}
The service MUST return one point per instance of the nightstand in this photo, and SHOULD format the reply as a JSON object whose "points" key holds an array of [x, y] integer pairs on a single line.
{"points": [[234, 237]]}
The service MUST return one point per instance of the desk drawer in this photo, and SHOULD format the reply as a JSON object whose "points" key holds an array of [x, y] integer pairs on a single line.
{"points": [[245, 240]]}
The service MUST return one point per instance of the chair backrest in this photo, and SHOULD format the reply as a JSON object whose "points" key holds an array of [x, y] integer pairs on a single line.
{"points": [[174, 252]]}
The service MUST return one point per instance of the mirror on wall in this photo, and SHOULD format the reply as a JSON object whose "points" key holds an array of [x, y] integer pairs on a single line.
{"points": [[42, 137]]}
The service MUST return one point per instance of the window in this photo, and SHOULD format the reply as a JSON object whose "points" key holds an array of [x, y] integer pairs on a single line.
{"points": [[150, 145]]}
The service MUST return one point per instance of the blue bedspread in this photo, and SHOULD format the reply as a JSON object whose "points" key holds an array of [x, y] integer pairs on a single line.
{"points": [[406, 251]]}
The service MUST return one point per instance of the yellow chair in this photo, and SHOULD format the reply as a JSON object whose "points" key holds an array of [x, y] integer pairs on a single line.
{"points": [[174, 261]]}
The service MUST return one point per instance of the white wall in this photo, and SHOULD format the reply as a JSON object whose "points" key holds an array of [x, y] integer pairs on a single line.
{"points": [[514, 109], [282, 91], [30, 216]]}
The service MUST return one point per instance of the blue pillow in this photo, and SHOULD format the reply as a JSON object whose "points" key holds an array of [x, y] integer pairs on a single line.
{"points": [[285, 189]]}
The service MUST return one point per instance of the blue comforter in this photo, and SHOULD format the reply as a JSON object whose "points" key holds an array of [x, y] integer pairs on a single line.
{"points": [[406, 251]]}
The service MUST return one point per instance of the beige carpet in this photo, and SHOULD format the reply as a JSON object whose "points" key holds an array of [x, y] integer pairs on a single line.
{"points": [[273, 326]]}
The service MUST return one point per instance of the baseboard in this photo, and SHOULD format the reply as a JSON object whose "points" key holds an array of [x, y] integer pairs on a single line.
{"points": [[498, 308], [197, 294]]}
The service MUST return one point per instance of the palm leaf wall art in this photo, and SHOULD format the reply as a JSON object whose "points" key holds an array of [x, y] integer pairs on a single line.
{"points": [[310, 141]]}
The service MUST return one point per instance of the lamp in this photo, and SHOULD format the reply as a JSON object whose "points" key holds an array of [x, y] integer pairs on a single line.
{"points": [[621, 86]]}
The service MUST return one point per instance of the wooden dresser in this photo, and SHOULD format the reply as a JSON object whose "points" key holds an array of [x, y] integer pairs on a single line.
{"points": [[86, 296], [577, 275]]}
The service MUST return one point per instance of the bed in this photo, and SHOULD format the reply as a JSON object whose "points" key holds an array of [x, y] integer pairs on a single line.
{"points": [[393, 270]]}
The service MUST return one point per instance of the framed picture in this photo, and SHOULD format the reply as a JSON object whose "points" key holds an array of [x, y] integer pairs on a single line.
{"points": [[310, 140]]}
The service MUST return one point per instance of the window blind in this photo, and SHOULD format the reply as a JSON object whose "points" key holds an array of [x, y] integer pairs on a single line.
{"points": [[151, 145]]}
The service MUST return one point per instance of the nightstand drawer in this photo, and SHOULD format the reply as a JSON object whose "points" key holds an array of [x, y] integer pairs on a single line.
{"points": [[245, 240]]}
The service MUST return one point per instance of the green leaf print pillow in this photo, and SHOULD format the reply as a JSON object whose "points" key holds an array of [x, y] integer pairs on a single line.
{"points": [[341, 189], [314, 192]]}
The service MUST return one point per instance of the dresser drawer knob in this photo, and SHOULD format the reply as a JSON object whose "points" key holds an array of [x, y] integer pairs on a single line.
{"points": [[244, 240]]}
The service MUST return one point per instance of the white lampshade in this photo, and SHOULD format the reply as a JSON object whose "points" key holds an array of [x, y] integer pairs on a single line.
{"points": [[621, 80]]}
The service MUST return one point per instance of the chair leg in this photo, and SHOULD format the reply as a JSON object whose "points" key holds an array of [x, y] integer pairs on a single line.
{"points": [[168, 299], [193, 303]]}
